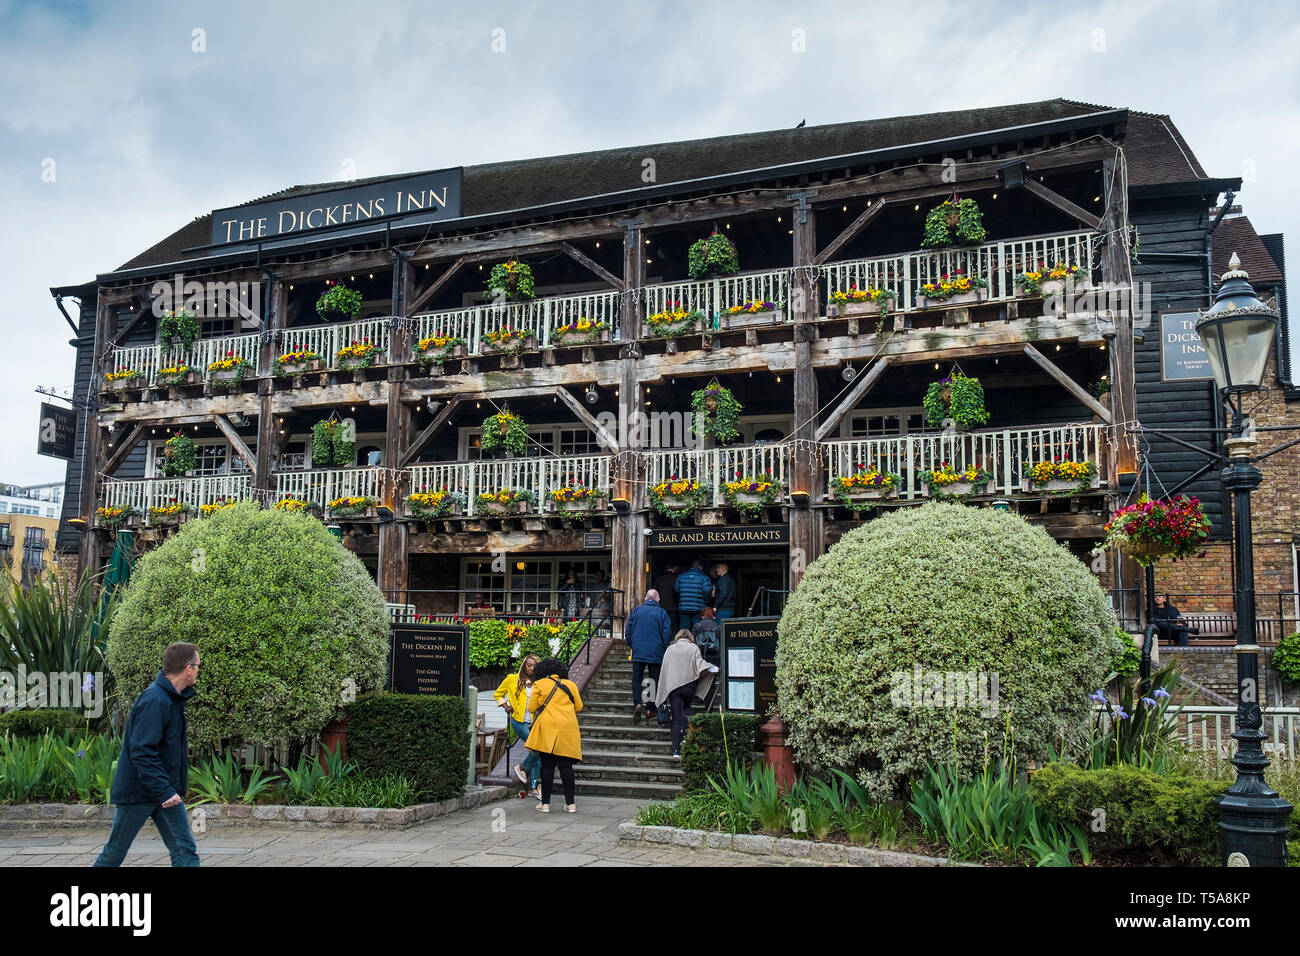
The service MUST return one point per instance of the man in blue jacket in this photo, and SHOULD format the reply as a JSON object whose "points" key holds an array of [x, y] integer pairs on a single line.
{"points": [[694, 594], [648, 633], [153, 770], [724, 590]]}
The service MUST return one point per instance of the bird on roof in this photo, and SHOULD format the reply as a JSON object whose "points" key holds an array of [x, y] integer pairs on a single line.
{"points": [[802, 124]]}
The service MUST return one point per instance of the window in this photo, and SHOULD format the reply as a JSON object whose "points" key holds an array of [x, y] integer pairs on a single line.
{"points": [[480, 578], [212, 457], [543, 440], [884, 423], [294, 457], [578, 441], [532, 588], [33, 550]]}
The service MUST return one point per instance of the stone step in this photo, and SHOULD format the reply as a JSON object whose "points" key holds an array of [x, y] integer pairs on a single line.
{"points": [[652, 734], [614, 788], [648, 746], [595, 771], [615, 753]]}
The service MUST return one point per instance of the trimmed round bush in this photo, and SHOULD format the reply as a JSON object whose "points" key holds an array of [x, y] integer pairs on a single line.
{"points": [[888, 649], [282, 613]]}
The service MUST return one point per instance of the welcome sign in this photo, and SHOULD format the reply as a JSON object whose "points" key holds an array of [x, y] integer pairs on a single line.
{"points": [[425, 197]]}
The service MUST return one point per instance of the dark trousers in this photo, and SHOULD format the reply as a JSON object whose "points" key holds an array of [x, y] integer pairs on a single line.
{"points": [[173, 826], [1174, 634], [549, 763], [639, 670], [680, 701]]}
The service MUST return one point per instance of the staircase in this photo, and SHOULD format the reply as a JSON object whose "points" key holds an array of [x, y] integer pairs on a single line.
{"points": [[621, 758]]}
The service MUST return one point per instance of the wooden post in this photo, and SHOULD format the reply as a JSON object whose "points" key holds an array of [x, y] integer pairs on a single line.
{"points": [[805, 475], [628, 554], [268, 433], [92, 542], [393, 558], [1117, 274]]}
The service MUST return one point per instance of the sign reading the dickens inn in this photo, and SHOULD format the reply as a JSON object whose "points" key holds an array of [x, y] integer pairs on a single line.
{"points": [[742, 536], [1182, 357], [430, 659], [427, 197]]}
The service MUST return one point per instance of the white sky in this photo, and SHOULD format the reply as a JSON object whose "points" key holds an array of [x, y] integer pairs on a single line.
{"points": [[146, 133]]}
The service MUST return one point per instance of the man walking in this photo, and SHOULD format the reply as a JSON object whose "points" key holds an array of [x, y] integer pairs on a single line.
{"points": [[724, 591], [694, 594], [153, 770], [647, 634]]}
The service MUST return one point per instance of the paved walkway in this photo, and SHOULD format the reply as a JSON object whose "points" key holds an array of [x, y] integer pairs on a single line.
{"points": [[507, 833]]}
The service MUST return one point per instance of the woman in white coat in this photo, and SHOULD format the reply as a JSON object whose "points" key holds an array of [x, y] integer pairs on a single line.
{"points": [[684, 676]]}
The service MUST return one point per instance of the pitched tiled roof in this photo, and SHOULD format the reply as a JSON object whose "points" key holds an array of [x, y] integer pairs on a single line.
{"points": [[1156, 152], [1239, 236]]}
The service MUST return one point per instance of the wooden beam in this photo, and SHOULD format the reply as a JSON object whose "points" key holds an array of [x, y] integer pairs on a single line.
{"points": [[582, 259], [1071, 386], [852, 229], [608, 441], [237, 443], [850, 402], [437, 285], [129, 328], [422, 439], [124, 449], [1055, 199]]}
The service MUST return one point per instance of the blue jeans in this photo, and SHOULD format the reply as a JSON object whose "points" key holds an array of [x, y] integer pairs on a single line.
{"points": [[533, 760], [173, 826], [723, 615], [690, 619]]}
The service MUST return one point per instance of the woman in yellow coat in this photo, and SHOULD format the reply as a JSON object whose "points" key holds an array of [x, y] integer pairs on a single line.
{"points": [[555, 736], [515, 697]]}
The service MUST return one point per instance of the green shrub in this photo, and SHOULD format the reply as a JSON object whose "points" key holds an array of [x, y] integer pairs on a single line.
{"points": [[1286, 658], [422, 737], [1128, 656], [705, 753], [1173, 815], [489, 644], [938, 589], [35, 722], [287, 621]]}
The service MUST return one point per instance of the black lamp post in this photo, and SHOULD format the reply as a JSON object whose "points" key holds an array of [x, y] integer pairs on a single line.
{"points": [[1237, 332]]}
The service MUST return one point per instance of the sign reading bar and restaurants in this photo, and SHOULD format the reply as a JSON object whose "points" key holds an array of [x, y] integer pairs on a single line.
{"points": [[749, 664], [426, 197], [1182, 357], [429, 659], [58, 433], [723, 536]]}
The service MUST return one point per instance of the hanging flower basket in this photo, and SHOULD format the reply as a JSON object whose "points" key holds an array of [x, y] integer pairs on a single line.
{"points": [[1151, 531], [717, 413], [678, 498], [512, 280], [954, 223], [714, 256], [333, 442], [338, 303], [505, 432], [180, 328], [957, 397], [180, 455]]}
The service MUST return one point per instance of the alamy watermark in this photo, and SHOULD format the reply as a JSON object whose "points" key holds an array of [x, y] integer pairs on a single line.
{"points": [[977, 690], [211, 299], [63, 690]]}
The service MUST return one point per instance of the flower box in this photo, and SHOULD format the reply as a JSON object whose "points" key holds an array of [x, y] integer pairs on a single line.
{"points": [[871, 494], [748, 498], [581, 505], [743, 320], [298, 368], [841, 309], [1059, 484], [125, 384], [168, 521], [956, 488], [676, 501], [498, 508], [366, 512], [511, 345], [358, 364], [580, 338], [961, 298], [228, 374]]}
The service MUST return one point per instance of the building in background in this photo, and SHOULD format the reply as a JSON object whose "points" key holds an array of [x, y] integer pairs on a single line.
{"points": [[29, 522]]}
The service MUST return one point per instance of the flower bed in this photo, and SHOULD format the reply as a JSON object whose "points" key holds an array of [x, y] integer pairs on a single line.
{"points": [[431, 505], [353, 506], [1060, 475], [678, 498], [576, 500], [671, 322], [581, 332], [508, 501], [1173, 528], [867, 486], [751, 494], [947, 482]]}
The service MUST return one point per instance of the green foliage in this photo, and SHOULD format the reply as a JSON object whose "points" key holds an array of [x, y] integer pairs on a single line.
{"points": [[944, 589], [424, 738], [221, 780], [333, 442], [184, 455], [699, 810], [489, 644], [505, 431], [1139, 729], [28, 768], [1286, 658], [706, 751], [1128, 656], [286, 618], [714, 256], [338, 302], [1172, 815], [511, 280], [719, 421], [390, 791], [182, 324], [968, 231], [964, 404], [38, 722], [301, 782]]}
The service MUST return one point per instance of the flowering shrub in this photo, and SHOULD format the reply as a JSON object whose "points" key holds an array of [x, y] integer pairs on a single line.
{"points": [[946, 476], [505, 430], [586, 330], [351, 505], [864, 479], [509, 497], [1080, 472], [765, 488], [954, 223], [949, 286], [884, 298], [688, 489], [674, 321], [1173, 528], [513, 280], [433, 504], [361, 354], [714, 256], [958, 397], [752, 308]]}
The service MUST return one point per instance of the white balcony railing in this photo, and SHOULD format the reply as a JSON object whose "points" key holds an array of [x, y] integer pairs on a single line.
{"points": [[712, 467], [145, 493], [1003, 453], [713, 296], [323, 486], [326, 340], [535, 474], [997, 263], [540, 316]]}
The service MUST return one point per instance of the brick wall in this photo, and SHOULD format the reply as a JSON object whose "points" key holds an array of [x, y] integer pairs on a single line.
{"points": [[1216, 669]]}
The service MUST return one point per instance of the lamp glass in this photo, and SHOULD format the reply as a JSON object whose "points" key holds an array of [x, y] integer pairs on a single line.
{"points": [[1237, 347]]}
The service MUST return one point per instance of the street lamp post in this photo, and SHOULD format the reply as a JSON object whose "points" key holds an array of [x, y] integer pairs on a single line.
{"points": [[1237, 332]]}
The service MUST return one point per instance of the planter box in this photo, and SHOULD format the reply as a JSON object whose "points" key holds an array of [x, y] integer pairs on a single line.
{"points": [[359, 365], [591, 504], [871, 494], [190, 378], [962, 298], [580, 338], [839, 310], [497, 508], [748, 498], [744, 320], [229, 374], [648, 333], [353, 515], [514, 345], [301, 367], [124, 384], [424, 515], [672, 501], [1060, 484], [956, 488], [431, 358], [168, 521]]}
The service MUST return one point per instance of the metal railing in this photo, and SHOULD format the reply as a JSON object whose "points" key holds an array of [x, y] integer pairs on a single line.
{"points": [[1002, 452], [1211, 728], [1277, 613], [539, 316], [144, 493]]}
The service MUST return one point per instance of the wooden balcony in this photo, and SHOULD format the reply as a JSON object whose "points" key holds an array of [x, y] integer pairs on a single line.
{"points": [[540, 476], [145, 493]]}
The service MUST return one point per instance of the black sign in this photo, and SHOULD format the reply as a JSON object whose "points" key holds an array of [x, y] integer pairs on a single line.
{"points": [[428, 197], [58, 434], [593, 539], [723, 536], [1182, 357], [749, 664], [430, 659]]}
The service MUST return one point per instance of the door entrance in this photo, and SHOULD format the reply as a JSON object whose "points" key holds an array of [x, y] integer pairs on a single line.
{"points": [[761, 575]]}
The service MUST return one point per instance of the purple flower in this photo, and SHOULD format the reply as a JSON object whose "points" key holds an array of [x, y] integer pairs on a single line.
{"points": [[80, 754], [1099, 697], [1148, 701], [1160, 692], [1119, 713], [88, 684]]}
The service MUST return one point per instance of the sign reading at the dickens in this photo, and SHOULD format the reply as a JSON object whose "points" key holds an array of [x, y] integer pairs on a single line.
{"points": [[430, 659], [749, 664], [426, 197], [58, 432], [742, 536], [1182, 357]]}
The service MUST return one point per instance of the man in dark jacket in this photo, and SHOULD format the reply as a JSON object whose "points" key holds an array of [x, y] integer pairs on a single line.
{"points": [[153, 769], [1169, 622], [648, 633], [724, 591], [663, 583], [694, 593]]}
